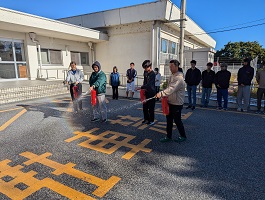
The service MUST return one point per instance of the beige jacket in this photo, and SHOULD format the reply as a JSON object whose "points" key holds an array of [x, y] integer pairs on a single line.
{"points": [[260, 77], [175, 90]]}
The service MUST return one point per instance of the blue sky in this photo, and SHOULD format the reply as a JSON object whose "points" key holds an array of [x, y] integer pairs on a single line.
{"points": [[209, 14]]}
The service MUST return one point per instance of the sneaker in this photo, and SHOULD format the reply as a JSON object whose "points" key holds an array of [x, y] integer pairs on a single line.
{"points": [[244, 110], [188, 107], [144, 122], [150, 123], [193, 108], [104, 120], [219, 108], [165, 139], [95, 120], [225, 109], [258, 112], [180, 139], [240, 110]]}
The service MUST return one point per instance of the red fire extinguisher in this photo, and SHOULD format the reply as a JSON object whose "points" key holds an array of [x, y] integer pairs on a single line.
{"points": [[142, 95], [75, 91], [165, 107], [93, 97]]}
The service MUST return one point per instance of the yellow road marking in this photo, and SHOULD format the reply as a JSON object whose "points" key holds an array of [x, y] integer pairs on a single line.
{"points": [[10, 110], [116, 144], [10, 121], [33, 184]]}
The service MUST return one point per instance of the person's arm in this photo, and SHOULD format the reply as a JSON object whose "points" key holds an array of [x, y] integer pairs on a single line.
{"points": [[81, 77], [68, 78], [251, 74], [187, 76], [172, 87]]}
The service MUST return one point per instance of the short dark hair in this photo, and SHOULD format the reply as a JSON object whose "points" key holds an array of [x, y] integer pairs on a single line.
{"points": [[156, 69], [193, 61], [72, 62], [146, 63], [131, 63], [176, 62], [209, 64]]}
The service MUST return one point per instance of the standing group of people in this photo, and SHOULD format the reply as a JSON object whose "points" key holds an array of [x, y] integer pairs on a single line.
{"points": [[175, 92], [221, 80]]}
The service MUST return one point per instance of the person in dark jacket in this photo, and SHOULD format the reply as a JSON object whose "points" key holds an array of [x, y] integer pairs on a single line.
{"points": [[244, 77], [98, 81], [222, 80], [75, 77], [150, 91], [115, 82], [193, 79], [207, 82]]}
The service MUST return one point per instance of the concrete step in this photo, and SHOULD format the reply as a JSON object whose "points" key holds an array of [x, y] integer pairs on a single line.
{"points": [[9, 95]]}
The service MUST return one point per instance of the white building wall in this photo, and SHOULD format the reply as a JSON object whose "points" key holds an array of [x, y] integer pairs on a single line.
{"points": [[127, 43]]}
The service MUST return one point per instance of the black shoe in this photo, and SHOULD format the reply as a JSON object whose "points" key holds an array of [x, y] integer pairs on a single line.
{"points": [[150, 123], [144, 122], [188, 107], [95, 120], [193, 108]]}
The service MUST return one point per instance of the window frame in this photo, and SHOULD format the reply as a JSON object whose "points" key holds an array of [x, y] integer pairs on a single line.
{"points": [[49, 57]]}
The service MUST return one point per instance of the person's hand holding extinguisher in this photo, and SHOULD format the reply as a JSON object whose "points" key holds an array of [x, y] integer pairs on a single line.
{"points": [[158, 95], [91, 88]]}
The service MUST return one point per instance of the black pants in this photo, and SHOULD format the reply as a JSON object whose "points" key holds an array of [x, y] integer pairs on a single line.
{"points": [[149, 110], [157, 90], [76, 101], [175, 114], [115, 93], [260, 94]]}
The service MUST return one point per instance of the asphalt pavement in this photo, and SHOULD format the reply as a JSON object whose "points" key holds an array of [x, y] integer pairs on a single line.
{"points": [[49, 152]]}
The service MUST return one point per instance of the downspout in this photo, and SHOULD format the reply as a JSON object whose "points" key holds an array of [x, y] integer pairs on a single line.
{"points": [[90, 44], [158, 46], [153, 43], [32, 36]]}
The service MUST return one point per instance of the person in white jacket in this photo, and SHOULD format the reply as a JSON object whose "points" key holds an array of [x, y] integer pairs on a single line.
{"points": [[175, 92]]}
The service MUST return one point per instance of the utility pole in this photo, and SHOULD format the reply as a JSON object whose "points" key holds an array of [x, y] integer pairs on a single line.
{"points": [[182, 32]]}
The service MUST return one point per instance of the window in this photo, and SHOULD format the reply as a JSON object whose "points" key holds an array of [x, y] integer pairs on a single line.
{"points": [[80, 58], [19, 51], [49, 56], [173, 48], [55, 57], [84, 58], [164, 45], [44, 56], [6, 51]]}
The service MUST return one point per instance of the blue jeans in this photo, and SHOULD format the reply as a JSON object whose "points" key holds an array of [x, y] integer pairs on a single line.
{"points": [[222, 93], [192, 89], [206, 92]]}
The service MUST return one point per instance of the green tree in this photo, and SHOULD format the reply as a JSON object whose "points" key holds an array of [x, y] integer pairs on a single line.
{"points": [[235, 52]]}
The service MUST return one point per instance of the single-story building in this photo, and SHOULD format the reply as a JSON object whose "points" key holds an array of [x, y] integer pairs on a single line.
{"points": [[35, 47]]}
